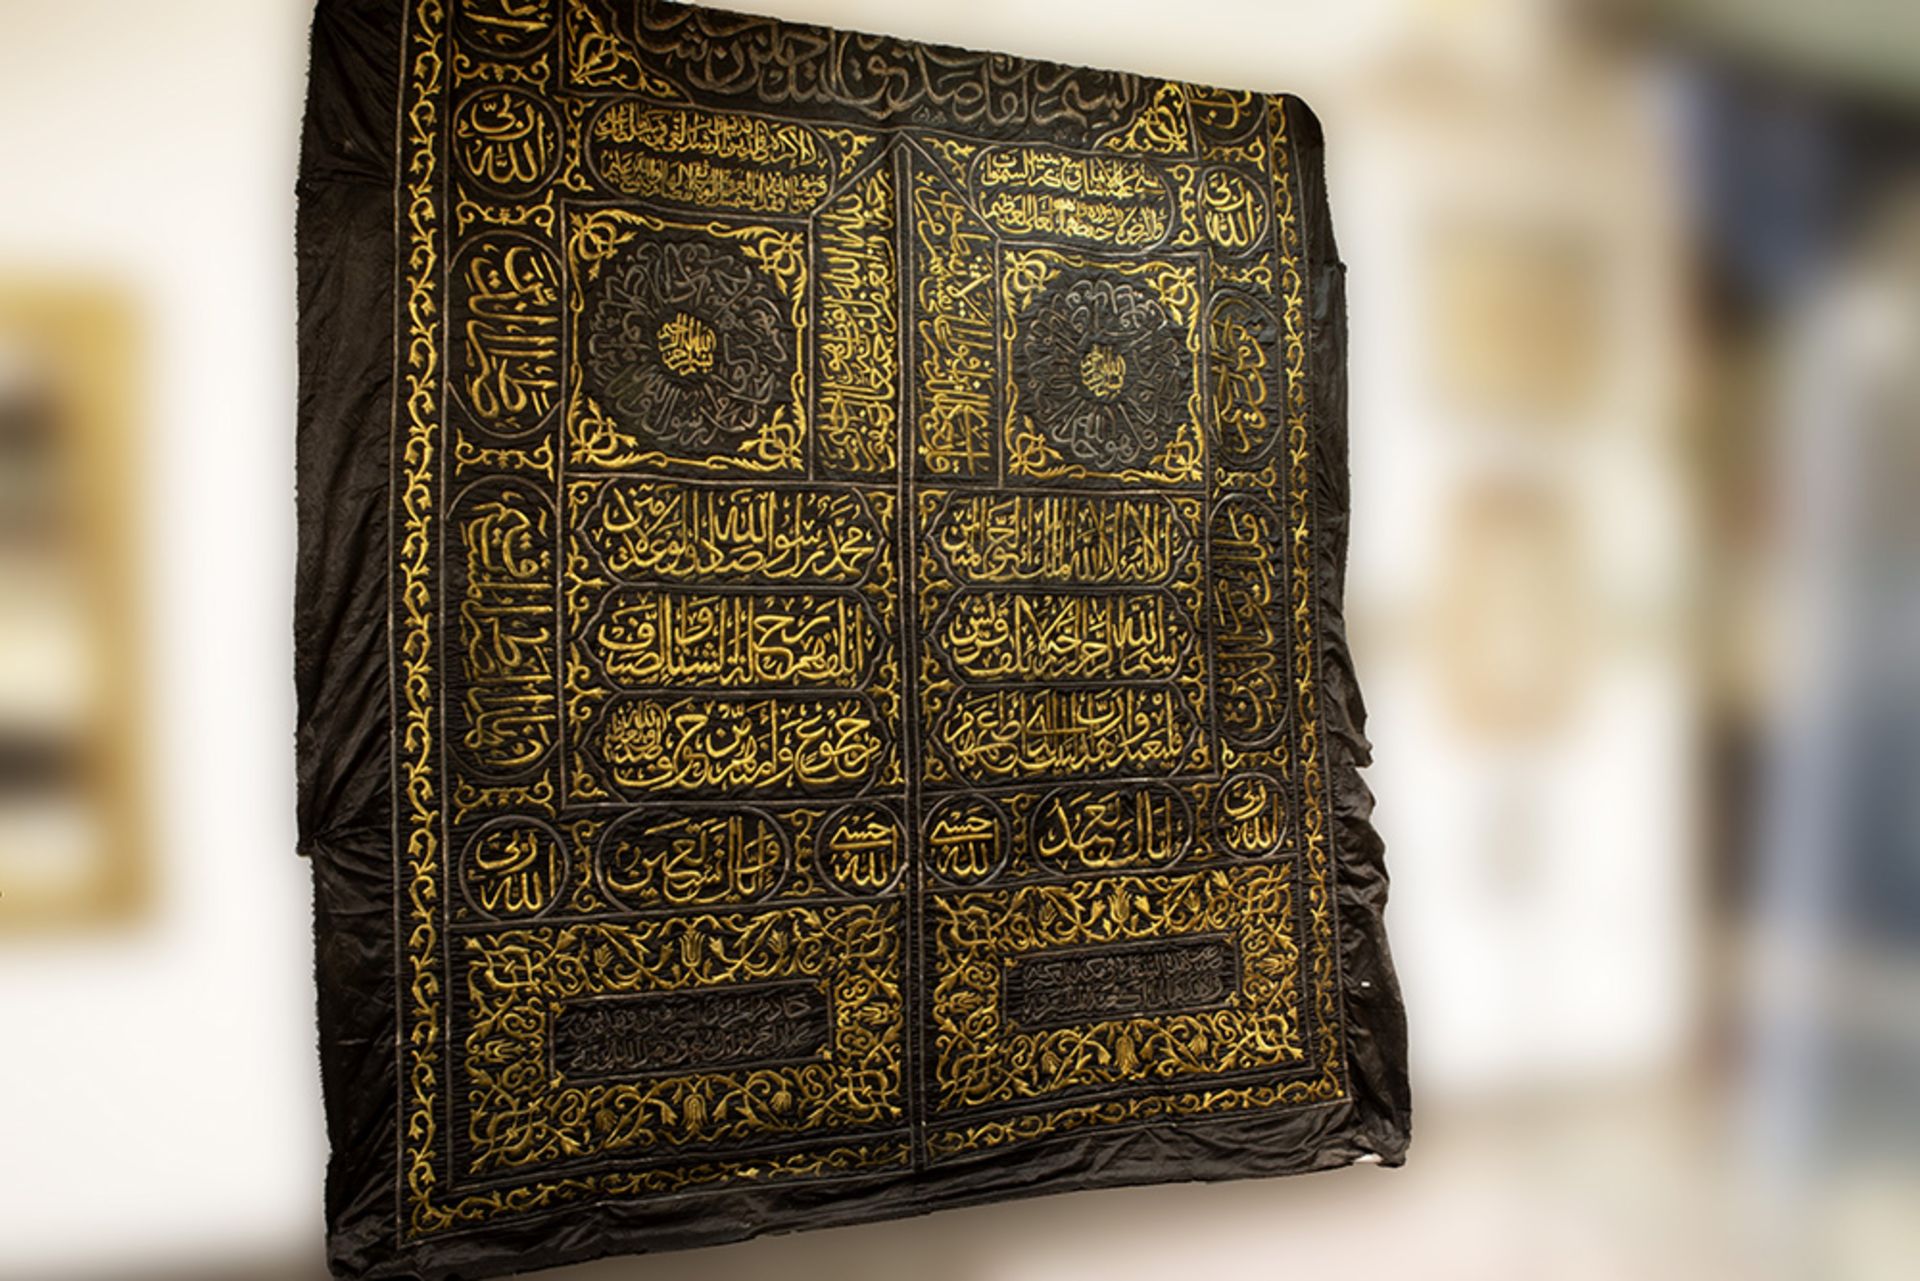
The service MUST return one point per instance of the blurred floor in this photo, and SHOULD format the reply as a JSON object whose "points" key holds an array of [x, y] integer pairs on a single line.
{"points": [[1632, 1185]]}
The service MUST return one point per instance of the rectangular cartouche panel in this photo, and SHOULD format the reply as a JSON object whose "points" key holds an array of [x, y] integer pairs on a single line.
{"points": [[1122, 980], [822, 688], [676, 1032], [753, 1024]]}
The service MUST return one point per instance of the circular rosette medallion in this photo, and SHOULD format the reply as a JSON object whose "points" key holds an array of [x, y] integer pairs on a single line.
{"points": [[688, 345], [1102, 371]]}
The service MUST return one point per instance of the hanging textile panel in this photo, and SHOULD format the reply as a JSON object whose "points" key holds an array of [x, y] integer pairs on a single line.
{"points": [[822, 684]]}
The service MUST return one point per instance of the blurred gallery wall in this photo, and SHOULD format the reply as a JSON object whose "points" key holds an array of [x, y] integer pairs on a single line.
{"points": [[1635, 306]]}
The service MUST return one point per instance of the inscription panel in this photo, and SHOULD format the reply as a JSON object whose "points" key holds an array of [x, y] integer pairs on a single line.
{"points": [[505, 714], [734, 639], [758, 1025], [1044, 194], [692, 857], [1059, 538], [795, 744], [1060, 989], [706, 159], [1030, 636], [506, 359], [644, 531]]}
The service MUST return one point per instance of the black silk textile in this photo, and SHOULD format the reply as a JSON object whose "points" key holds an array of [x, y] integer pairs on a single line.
{"points": [[823, 693]]}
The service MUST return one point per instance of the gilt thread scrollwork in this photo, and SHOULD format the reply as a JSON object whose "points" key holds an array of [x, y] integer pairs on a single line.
{"points": [[1161, 128]]}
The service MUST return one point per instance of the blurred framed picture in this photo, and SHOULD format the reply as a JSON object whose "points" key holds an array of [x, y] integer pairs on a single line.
{"points": [[70, 848], [1519, 326]]}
